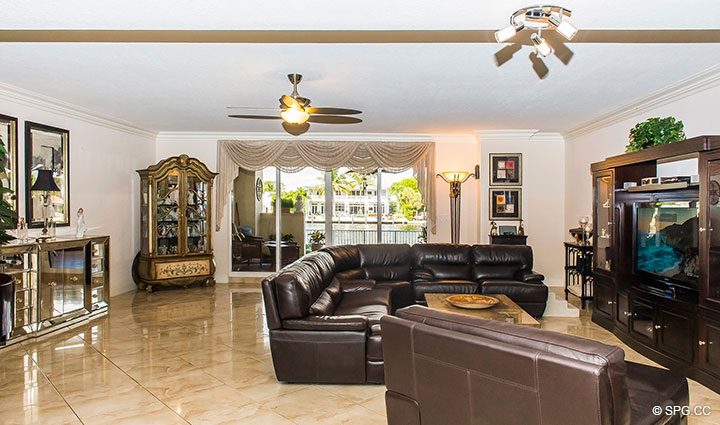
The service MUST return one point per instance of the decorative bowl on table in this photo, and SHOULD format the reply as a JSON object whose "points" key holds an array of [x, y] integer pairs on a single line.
{"points": [[475, 302]]}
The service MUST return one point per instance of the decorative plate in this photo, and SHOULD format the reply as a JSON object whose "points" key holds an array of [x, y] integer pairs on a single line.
{"points": [[475, 302]]}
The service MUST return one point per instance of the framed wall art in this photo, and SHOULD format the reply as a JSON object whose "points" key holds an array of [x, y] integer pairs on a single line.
{"points": [[505, 204], [505, 169], [8, 173], [47, 148]]}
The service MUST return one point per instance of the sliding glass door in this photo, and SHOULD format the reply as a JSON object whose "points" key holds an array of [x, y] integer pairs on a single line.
{"points": [[318, 208]]}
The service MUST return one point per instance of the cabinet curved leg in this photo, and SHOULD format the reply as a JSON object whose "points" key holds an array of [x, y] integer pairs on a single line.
{"points": [[210, 282], [148, 288]]}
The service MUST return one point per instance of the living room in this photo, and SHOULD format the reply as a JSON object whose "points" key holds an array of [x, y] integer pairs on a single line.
{"points": [[187, 239]]}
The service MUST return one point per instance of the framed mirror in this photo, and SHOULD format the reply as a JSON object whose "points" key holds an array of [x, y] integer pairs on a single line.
{"points": [[47, 148], [8, 173]]}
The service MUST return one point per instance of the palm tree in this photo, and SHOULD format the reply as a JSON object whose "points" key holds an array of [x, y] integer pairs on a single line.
{"points": [[342, 183]]}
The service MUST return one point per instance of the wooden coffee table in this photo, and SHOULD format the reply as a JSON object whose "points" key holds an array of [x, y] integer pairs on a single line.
{"points": [[505, 311]]}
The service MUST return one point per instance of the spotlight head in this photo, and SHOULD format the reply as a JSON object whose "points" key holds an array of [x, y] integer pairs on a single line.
{"points": [[542, 48], [564, 27], [507, 33]]}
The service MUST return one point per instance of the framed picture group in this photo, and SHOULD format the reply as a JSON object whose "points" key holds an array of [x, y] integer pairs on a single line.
{"points": [[505, 203], [46, 148]]}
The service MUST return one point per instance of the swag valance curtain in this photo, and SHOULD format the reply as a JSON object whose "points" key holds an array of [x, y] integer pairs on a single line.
{"points": [[361, 157]]}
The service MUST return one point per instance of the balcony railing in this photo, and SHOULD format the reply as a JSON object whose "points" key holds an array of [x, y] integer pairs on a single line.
{"points": [[353, 237]]}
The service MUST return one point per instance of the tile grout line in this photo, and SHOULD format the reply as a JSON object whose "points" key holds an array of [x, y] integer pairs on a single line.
{"points": [[54, 387]]}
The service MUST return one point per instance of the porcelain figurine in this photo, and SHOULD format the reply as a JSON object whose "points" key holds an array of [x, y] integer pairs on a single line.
{"points": [[80, 227]]}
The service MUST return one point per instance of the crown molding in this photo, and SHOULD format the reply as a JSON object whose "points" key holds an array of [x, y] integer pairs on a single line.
{"points": [[59, 107], [519, 135], [185, 136], [701, 81]]}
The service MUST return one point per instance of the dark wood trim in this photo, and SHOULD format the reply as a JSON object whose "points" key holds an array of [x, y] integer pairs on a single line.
{"points": [[686, 147], [29, 126], [13, 156]]}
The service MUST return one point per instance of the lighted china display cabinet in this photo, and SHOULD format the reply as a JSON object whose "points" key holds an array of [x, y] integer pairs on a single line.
{"points": [[175, 224]]}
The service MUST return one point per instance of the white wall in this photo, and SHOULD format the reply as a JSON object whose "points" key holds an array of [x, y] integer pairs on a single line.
{"points": [[698, 112], [543, 194], [103, 181]]}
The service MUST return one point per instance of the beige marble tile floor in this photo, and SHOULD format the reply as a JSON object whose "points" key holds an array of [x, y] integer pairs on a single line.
{"points": [[198, 356]]}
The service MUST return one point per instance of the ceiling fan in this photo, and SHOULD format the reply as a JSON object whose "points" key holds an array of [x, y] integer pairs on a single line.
{"points": [[297, 114]]}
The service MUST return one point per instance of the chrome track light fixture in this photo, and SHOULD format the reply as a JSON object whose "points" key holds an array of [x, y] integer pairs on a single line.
{"points": [[539, 18]]}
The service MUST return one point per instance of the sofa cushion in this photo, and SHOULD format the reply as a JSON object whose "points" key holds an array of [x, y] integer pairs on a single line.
{"points": [[297, 287], [345, 257], [386, 262], [500, 261], [374, 348], [519, 292], [330, 297], [328, 323], [324, 264], [350, 274], [373, 304], [442, 261], [402, 292], [421, 288]]}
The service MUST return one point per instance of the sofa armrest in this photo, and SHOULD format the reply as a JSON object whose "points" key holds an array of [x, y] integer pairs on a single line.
{"points": [[328, 323], [529, 276], [423, 274], [354, 285]]}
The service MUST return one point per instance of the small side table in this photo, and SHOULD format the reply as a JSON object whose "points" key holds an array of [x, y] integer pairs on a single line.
{"points": [[578, 271], [508, 239]]}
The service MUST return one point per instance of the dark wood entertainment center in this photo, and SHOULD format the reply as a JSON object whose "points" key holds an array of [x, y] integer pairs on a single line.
{"points": [[677, 326]]}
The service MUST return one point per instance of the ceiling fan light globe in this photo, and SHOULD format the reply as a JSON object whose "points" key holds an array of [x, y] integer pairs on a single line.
{"points": [[294, 115]]}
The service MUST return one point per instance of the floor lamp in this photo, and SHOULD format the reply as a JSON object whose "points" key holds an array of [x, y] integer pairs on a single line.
{"points": [[455, 179]]}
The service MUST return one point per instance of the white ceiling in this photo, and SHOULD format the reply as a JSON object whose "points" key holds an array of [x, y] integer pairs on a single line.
{"points": [[418, 88]]}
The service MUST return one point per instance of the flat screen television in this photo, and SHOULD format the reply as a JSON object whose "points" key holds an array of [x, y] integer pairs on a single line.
{"points": [[666, 242]]}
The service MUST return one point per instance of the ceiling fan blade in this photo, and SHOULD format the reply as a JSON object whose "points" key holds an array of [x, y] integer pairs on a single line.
{"points": [[333, 119], [333, 111], [296, 129], [254, 108], [255, 117], [289, 101]]}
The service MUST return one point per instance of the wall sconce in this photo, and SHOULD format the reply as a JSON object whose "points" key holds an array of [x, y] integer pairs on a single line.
{"points": [[455, 179]]}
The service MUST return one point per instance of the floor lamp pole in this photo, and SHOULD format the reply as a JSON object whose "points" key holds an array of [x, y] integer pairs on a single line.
{"points": [[455, 179]]}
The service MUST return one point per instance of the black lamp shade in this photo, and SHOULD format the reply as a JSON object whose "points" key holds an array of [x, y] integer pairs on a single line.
{"points": [[45, 182]]}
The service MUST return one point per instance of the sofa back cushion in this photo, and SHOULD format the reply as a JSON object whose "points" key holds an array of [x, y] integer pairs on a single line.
{"points": [[345, 257], [297, 287], [611, 358], [323, 263], [500, 261], [328, 300], [386, 262], [443, 261]]}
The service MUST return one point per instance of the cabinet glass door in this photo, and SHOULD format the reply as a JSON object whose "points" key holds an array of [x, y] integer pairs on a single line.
{"points": [[712, 229], [196, 214], [167, 193], [603, 222]]}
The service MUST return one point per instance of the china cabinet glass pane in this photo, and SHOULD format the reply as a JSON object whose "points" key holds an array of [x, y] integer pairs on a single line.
{"points": [[144, 211], [167, 194], [713, 226], [196, 214], [603, 222]]}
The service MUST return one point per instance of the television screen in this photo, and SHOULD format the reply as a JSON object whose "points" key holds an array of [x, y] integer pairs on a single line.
{"points": [[667, 240]]}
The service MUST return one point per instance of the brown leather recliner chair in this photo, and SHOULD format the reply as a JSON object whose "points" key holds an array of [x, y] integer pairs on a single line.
{"points": [[450, 369]]}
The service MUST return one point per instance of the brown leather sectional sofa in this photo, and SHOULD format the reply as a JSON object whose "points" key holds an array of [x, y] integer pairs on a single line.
{"points": [[450, 369], [324, 310]]}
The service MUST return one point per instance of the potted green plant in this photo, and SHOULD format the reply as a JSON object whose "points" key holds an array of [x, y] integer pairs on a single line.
{"points": [[7, 222], [655, 131], [286, 204], [317, 240]]}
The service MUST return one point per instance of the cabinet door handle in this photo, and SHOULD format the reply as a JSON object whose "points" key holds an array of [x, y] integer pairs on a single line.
{"points": [[53, 284], [610, 302], [658, 327], [702, 229], [74, 278], [701, 343]]}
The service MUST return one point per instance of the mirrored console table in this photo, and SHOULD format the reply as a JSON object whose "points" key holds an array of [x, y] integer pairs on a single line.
{"points": [[58, 283]]}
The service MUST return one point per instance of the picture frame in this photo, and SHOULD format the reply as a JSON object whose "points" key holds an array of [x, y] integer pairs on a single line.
{"points": [[9, 136], [47, 147], [507, 230], [505, 204], [505, 169]]}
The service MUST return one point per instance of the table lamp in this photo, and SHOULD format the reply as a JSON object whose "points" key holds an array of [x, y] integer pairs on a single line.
{"points": [[45, 183], [455, 179]]}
